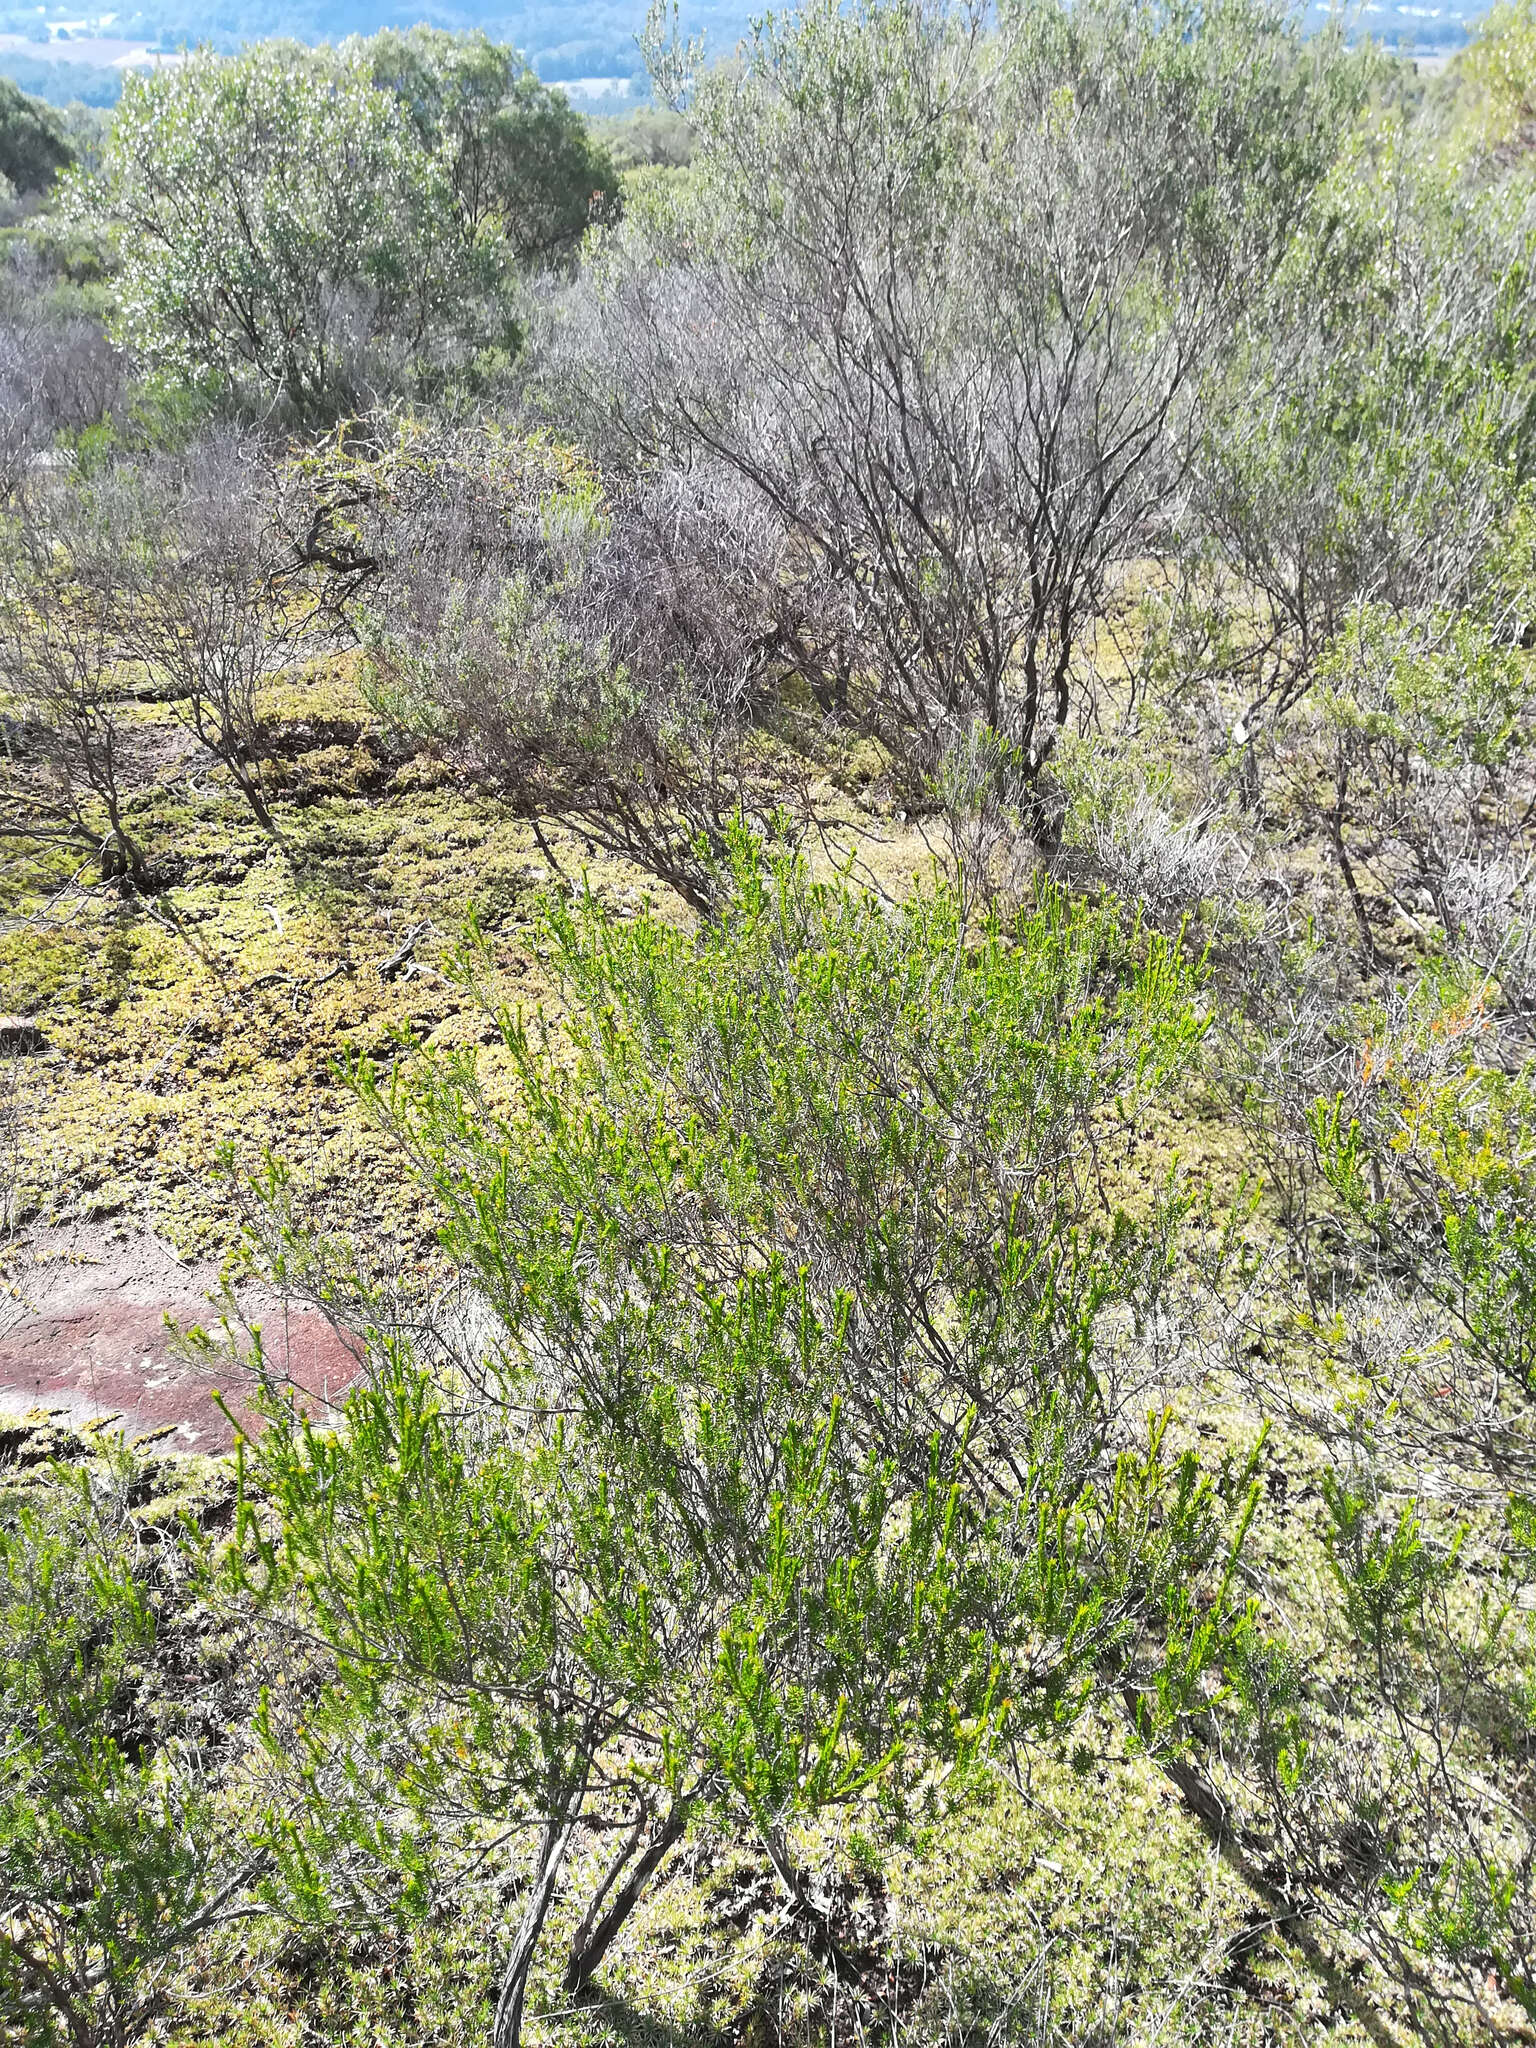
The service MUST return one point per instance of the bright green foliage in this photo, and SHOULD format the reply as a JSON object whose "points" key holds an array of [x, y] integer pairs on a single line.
{"points": [[910, 1112], [1439, 1175], [773, 1434], [540, 1624], [111, 1858], [546, 1590], [278, 223], [905, 1113], [520, 160]]}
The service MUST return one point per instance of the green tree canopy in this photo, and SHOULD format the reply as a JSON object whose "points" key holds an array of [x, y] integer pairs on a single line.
{"points": [[33, 149], [515, 151], [280, 224]]}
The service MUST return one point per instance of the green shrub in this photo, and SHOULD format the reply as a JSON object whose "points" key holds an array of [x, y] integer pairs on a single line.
{"points": [[278, 224], [778, 1453], [113, 1854]]}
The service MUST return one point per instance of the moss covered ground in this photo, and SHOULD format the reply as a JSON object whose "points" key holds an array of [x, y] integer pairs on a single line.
{"points": [[183, 1035]]}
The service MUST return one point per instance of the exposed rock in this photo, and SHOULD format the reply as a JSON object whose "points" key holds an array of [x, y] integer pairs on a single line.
{"points": [[93, 1337]]}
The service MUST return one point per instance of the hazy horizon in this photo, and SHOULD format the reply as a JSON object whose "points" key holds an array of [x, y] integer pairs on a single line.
{"points": [[60, 54]]}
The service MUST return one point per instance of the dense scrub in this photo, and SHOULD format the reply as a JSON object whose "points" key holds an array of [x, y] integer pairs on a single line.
{"points": [[829, 808]]}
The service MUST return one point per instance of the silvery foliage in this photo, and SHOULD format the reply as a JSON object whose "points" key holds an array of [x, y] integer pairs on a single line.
{"points": [[940, 290]]}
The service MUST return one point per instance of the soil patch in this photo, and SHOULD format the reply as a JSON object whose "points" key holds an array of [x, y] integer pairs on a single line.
{"points": [[85, 1333]]}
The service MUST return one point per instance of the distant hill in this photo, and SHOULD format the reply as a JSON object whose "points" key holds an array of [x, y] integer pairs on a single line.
{"points": [[59, 56]]}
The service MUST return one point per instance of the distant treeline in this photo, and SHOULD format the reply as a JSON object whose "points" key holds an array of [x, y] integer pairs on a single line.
{"points": [[603, 50], [61, 85], [592, 41]]}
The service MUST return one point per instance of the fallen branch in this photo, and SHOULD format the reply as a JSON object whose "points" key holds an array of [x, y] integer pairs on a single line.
{"points": [[401, 954]]}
